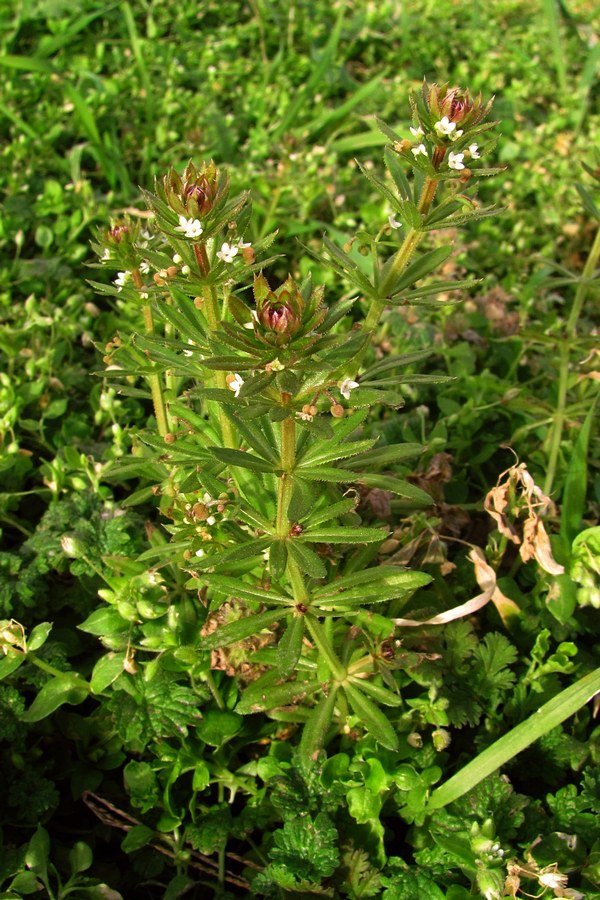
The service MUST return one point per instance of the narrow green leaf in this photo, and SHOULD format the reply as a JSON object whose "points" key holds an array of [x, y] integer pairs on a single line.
{"points": [[266, 694], [547, 717], [278, 558], [315, 729], [307, 560], [290, 645], [396, 486], [375, 722], [343, 534], [385, 575], [234, 587], [426, 263], [322, 452], [378, 693], [242, 460], [237, 553], [391, 587], [392, 453], [574, 491], [242, 629], [341, 508]]}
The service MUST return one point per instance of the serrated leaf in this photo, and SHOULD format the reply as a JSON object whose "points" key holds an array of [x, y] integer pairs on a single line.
{"points": [[375, 722]]}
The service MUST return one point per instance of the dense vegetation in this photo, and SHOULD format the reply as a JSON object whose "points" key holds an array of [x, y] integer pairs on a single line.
{"points": [[152, 742]]}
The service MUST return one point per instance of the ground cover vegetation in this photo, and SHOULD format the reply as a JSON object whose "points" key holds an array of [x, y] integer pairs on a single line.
{"points": [[299, 578]]}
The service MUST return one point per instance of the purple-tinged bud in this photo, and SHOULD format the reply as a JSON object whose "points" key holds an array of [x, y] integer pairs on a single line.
{"points": [[196, 192]]}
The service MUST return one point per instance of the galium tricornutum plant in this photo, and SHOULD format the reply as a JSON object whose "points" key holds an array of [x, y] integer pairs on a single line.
{"points": [[260, 393]]}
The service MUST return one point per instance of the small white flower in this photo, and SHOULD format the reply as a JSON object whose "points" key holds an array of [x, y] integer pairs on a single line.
{"points": [[254, 319], [185, 270], [474, 151], [122, 279], [191, 228], [445, 126], [346, 386], [394, 223], [276, 366], [206, 498], [200, 552], [421, 149], [106, 254], [235, 383], [242, 245], [144, 267], [455, 160], [177, 259], [227, 253], [188, 352], [144, 295], [456, 134], [306, 417], [417, 132], [211, 520]]}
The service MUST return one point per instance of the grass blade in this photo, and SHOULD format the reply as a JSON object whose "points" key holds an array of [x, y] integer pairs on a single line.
{"points": [[544, 719]]}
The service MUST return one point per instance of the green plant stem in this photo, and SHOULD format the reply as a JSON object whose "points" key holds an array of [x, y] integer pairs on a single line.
{"points": [[221, 855], [410, 243], [564, 351], [317, 632], [284, 490], [51, 670], [154, 381], [583, 286], [212, 313]]}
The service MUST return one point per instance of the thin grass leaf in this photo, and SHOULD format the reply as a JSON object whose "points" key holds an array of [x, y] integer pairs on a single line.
{"points": [[543, 720]]}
